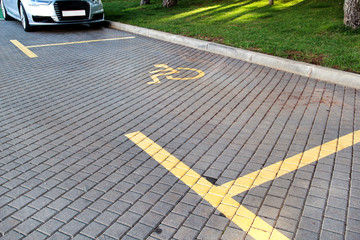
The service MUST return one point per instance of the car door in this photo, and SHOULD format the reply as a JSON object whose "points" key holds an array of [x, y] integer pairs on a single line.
{"points": [[12, 8]]}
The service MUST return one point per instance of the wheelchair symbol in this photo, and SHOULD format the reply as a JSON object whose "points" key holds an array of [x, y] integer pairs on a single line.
{"points": [[169, 71]]}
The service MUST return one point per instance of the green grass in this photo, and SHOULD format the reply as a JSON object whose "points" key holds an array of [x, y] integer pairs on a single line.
{"points": [[305, 30]]}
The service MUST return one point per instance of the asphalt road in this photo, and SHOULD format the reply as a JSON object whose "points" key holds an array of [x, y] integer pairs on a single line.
{"points": [[110, 135]]}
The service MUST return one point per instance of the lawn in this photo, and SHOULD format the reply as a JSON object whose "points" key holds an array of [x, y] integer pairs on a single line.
{"points": [[305, 30]]}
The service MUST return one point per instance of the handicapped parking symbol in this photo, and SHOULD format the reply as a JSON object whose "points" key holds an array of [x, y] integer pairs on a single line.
{"points": [[168, 71]]}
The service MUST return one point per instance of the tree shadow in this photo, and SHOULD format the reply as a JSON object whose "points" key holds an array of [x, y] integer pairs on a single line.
{"points": [[229, 12]]}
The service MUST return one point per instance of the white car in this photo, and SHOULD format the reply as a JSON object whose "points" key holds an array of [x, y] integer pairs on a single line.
{"points": [[53, 12]]}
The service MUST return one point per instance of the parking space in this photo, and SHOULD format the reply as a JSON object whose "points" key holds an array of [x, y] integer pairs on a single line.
{"points": [[111, 135]]}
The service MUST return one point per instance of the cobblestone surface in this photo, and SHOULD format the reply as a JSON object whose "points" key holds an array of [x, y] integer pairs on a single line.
{"points": [[67, 170]]}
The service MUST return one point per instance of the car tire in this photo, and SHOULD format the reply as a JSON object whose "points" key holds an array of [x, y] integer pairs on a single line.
{"points": [[5, 15], [24, 19]]}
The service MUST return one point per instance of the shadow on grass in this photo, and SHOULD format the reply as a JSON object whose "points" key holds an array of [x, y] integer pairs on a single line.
{"points": [[306, 30]]}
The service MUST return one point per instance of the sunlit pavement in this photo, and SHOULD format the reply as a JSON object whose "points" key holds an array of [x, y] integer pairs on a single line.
{"points": [[110, 135]]}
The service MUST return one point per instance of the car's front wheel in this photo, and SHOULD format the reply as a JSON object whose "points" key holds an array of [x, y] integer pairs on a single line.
{"points": [[5, 15], [24, 19]]}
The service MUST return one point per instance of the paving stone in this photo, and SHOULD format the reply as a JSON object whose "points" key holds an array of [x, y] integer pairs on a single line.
{"points": [[353, 225], [39, 202], [12, 235], [116, 230], [351, 235], [290, 212], [152, 219], [141, 207], [335, 213], [269, 212], [59, 235], [27, 226], [72, 228], [183, 209], [273, 201], [233, 233], [302, 234], [131, 197], [313, 212], [354, 213], [16, 192], [333, 225], [330, 235], [66, 214], [35, 193], [106, 218], [44, 214], [51, 226], [119, 207], [59, 204], [93, 230], [163, 232], [140, 231], [73, 194], [20, 202], [217, 222], [315, 201], [85, 216], [162, 208], [100, 205], [195, 222], [354, 201], [209, 233], [111, 196], [82, 237], [184, 233], [7, 224], [337, 202], [35, 235], [24, 213], [128, 237], [129, 218], [54, 193], [79, 204], [6, 211]]}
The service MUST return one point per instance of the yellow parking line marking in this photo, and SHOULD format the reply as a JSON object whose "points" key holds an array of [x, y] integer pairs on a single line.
{"points": [[88, 41], [24, 49], [200, 74], [29, 53], [220, 197], [169, 71], [290, 164]]}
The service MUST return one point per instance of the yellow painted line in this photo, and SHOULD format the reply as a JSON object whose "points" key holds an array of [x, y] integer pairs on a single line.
{"points": [[200, 74], [281, 168], [220, 197], [23, 48], [217, 197], [88, 41], [169, 71]]}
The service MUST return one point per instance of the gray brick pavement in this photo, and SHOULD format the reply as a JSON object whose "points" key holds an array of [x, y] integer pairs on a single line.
{"points": [[67, 170]]}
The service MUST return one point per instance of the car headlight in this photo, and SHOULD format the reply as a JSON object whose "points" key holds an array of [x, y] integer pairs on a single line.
{"points": [[96, 1], [39, 2]]}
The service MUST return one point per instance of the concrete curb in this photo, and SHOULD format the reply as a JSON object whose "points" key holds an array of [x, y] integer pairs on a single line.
{"points": [[304, 69]]}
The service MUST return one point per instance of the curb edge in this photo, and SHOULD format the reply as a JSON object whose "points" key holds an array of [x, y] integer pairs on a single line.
{"points": [[304, 69]]}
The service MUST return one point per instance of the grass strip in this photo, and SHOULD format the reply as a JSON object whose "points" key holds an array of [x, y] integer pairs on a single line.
{"points": [[311, 31]]}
